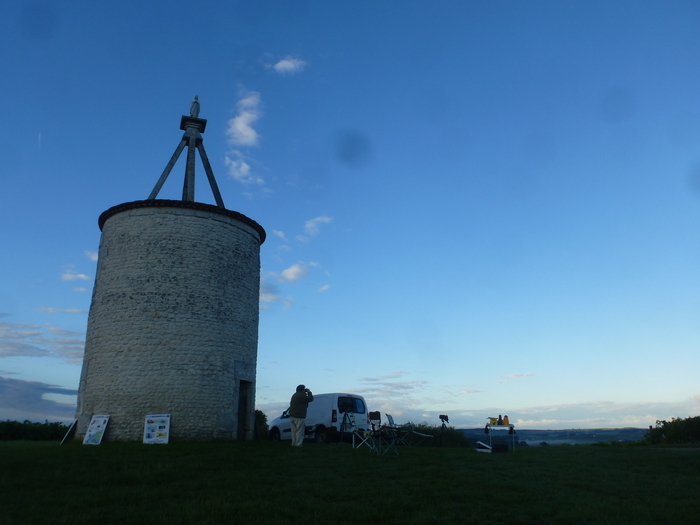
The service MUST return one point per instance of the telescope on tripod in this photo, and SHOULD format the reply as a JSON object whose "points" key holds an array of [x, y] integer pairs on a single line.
{"points": [[444, 420]]}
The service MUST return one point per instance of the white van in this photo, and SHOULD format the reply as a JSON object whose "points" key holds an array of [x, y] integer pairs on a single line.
{"points": [[328, 416]]}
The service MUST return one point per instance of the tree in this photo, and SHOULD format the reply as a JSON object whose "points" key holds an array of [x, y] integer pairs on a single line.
{"points": [[261, 426], [675, 431]]}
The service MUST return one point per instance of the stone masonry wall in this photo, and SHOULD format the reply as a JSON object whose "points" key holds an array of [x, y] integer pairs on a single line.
{"points": [[173, 325]]}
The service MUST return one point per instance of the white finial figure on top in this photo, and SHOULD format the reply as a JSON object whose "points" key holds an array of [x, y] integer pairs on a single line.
{"points": [[194, 108]]}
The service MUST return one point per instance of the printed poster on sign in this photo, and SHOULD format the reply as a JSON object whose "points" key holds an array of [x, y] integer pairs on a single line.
{"points": [[156, 428], [96, 430]]}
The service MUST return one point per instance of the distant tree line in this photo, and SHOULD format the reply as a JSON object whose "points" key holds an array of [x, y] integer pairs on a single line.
{"points": [[32, 431], [676, 431]]}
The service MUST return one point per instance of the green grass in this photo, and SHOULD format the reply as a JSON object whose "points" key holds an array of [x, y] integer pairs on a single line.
{"points": [[265, 482]]}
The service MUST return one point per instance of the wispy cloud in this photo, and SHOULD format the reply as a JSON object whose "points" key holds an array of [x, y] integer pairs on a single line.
{"points": [[91, 255], [393, 375], [508, 377], [54, 330], [389, 395], [289, 66], [61, 310], [70, 275], [20, 349], [23, 340], [269, 294], [318, 266], [312, 227], [18, 331], [298, 271]]}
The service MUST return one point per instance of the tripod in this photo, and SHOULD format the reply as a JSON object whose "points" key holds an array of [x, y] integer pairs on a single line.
{"points": [[444, 420], [347, 425]]}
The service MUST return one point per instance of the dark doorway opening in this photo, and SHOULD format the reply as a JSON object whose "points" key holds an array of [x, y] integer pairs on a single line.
{"points": [[244, 391]]}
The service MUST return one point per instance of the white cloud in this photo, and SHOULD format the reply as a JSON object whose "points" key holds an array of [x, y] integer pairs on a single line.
{"points": [[240, 132], [280, 234], [240, 128], [239, 169], [293, 273], [324, 288], [289, 66], [80, 290], [312, 226], [302, 239], [70, 275], [91, 255]]}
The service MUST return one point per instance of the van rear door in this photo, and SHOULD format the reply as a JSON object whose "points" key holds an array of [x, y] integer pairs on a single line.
{"points": [[353, 410]]}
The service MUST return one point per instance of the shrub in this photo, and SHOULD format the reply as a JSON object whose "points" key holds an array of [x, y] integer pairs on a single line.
{"points": [[447, 437], [675, 431], [261, 426], [32, 431]]}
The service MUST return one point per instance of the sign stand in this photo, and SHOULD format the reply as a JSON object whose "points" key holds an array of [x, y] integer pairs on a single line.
{"points": [[72, 425]]}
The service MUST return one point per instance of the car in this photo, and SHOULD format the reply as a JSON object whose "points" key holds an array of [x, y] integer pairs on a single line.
{"points": [[329, 417]]}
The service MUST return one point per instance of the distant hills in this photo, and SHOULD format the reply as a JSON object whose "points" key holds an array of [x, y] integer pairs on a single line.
{"points": [[573, 436]]}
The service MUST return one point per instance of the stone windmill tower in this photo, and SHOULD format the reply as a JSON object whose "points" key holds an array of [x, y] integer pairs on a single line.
{"points": [[173, 324]]}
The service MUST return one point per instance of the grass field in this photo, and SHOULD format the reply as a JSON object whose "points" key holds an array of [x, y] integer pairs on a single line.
{"points": [[265, 482]]}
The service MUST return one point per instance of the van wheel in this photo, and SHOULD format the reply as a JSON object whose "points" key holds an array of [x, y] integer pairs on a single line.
{"points": [[322, 436], [274, 434]]}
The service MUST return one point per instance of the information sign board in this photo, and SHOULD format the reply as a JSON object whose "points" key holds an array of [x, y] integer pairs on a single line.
{"points": [[156, 429], [96, 430]]}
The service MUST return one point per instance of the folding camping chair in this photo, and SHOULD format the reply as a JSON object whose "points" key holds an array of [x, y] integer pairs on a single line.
{"points": [[368, 437], [385, 437], [380, 439], [407, 434]]}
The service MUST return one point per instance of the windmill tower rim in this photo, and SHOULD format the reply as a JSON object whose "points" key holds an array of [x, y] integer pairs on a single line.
{"points": [[165, 203]]}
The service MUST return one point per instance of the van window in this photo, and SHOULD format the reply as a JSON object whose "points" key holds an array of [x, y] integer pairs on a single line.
{"points": [[351, 405]]}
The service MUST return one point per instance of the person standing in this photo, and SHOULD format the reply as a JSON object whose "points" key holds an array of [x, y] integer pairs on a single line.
{"points": [[297, 411]]}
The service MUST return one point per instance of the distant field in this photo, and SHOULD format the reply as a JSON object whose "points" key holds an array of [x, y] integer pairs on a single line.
{"points": [[569, 436], [265, 482]]}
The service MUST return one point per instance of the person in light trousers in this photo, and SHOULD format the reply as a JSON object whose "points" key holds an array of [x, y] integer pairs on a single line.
{"points": [[297, 411]]}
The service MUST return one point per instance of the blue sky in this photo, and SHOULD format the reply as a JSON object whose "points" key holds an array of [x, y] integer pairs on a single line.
{"points": [[472, 208]]}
